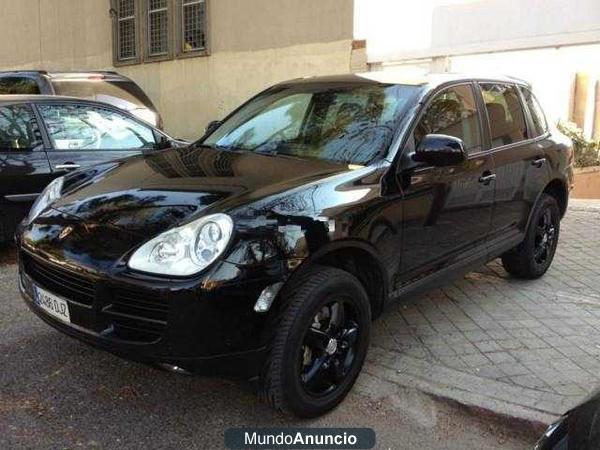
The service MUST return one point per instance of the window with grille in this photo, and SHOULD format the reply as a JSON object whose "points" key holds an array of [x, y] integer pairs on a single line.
{"points": [[126, 32], [158, 27], [193, 20], [146, 31]]}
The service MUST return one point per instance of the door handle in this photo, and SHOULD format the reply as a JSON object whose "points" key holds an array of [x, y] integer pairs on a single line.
{"points": [[67, 166], [538, 162], [487, 178]]}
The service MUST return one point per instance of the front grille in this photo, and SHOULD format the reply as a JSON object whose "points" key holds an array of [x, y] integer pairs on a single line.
{"points": [[137, 315], [59, 281]]}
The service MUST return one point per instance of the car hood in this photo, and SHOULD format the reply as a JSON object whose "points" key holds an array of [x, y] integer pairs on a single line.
{"points": [[147, 194]]}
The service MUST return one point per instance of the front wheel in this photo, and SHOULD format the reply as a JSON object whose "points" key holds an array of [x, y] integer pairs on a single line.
{"points": [[320, 341], [532, 258]]}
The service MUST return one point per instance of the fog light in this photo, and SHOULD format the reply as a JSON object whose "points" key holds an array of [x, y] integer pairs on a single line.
{"points": [[265, 300]]}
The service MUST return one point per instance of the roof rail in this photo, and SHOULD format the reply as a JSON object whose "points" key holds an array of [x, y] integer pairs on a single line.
{"points": [[518, 79]]}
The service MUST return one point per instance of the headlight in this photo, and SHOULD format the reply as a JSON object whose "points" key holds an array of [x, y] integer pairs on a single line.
{"points": [[185, 250], [48, 195]]}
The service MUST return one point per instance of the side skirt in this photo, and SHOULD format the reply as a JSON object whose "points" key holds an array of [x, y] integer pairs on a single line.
{"points": [[473, 261]]}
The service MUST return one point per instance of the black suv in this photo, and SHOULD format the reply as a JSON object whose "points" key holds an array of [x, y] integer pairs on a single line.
{"points": [[43, 138], [265, 249], [108, 87]]}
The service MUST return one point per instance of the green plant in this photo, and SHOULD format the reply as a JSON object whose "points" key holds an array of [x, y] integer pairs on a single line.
{"points": [[587, 151]]}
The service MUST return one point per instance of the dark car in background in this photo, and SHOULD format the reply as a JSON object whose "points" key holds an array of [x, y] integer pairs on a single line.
{"points": [[103, 86], [265, 249], [42, 138], [578, 429]]}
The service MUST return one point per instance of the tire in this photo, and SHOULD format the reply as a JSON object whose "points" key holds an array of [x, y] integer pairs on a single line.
{"points": [[299, 362], [529, 260]]}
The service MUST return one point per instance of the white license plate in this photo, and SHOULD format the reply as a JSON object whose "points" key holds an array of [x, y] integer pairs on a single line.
{"points": [[53, 305]]}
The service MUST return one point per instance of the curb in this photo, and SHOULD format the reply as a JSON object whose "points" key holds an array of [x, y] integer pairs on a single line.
{"points": [[536, 409], [584, 205]]}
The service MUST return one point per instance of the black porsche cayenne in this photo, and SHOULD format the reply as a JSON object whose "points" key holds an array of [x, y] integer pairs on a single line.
{"points": [[265, 249]]}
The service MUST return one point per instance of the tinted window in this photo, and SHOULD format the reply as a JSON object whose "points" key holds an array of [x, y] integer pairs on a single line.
{"points": [[540, 126], [452, 112], [82, 127], [18, 129], [18, 85], [347, 123], [505, 113]]}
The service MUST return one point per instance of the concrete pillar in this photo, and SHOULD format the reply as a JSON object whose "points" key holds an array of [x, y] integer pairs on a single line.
{"points": [[580, 96], [358, 57], [596, 126]]}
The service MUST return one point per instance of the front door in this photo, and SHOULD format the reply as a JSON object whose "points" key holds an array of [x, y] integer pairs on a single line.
{"points": [[83, 134], [24, 168], [447, 210]]}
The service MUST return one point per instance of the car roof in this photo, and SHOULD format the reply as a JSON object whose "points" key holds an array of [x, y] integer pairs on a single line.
{"points": [[431, 80], [26, 98]]}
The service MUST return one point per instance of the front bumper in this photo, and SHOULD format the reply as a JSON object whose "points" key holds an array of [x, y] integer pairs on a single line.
{"points": [[205, 330]]}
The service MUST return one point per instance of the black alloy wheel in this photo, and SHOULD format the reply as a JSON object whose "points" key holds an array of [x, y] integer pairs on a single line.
{"points": [[329, 348], [321, 328], [545, 233], [532, 258]]}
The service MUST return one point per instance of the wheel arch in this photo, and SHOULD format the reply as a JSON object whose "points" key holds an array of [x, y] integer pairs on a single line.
{"points": [[361, 260], [558, 189]]}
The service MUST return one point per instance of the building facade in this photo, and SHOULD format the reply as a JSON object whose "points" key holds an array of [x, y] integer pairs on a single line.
{"points": [[196, 59], [553, 44]]}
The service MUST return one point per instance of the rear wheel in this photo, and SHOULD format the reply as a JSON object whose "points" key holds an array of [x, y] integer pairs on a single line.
{"points": [[532, 258], [319, 344]]}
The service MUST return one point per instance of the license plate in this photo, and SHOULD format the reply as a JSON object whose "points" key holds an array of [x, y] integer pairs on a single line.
{"points": [[53, 305]]}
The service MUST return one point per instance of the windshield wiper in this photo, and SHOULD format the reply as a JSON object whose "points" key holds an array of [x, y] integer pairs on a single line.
{"points": [[266, 151], [223, 148]]}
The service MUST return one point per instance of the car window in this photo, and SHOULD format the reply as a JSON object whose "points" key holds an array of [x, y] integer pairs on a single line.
{"points": [[452, 112], [281, 119], [84, 127], [18, 129], [18, 85], [352, 122], [505, 114], [540, 125]]}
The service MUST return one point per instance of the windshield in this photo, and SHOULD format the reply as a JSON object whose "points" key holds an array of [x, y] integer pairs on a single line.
{"points": [[351, 123]]}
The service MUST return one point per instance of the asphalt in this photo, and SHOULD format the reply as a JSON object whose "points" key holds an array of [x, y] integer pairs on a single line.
{"points": [[56, 392]]}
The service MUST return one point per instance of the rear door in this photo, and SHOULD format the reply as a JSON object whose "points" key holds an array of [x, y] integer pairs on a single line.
{"points": [[24, 167], [518, 161], [81, 134]]}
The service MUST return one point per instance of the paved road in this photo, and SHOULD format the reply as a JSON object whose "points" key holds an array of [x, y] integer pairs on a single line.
{"points": [[58, 393], [533, 345]]}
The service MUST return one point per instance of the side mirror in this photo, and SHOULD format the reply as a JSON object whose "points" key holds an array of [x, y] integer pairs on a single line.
{"points": [[441, 150], [212, 126], [164, 144], [161, 141]]}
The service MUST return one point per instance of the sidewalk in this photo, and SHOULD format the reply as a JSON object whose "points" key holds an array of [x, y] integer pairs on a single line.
{"points": [[524, 349]]}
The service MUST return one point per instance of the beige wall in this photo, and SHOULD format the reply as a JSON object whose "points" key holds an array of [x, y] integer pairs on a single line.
{"points": [[253, 43], [55, 34]]}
